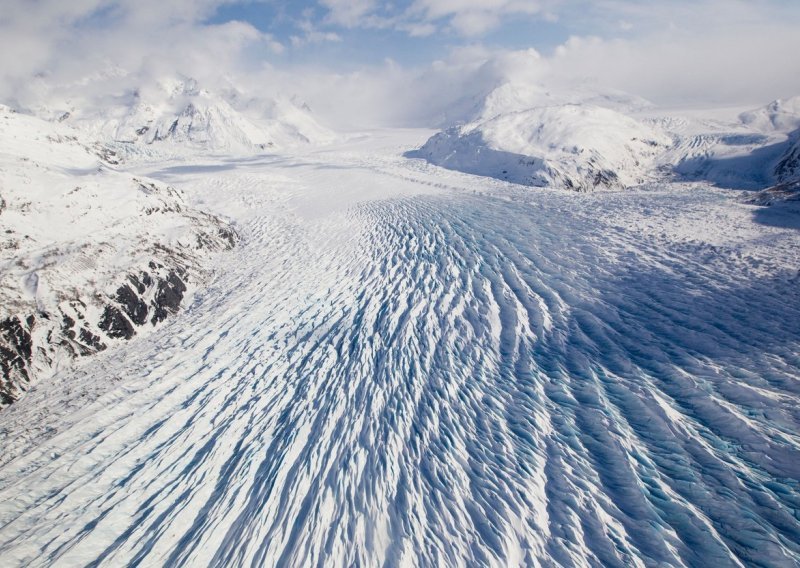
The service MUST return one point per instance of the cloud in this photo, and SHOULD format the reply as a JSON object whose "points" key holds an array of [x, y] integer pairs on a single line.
{"points": [[420, 18], [686, 52], [350, 13], [311, 34], [473, 18], [68, 41]]}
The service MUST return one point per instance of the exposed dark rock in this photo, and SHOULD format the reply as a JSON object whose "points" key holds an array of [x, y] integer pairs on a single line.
{"points": [[108, 155], [229, 235], [91, 340], [140, 286], [16, 349], [115, 324], [168, 296], [781, 193], [67, 325], [133, 305], [605, 178]]}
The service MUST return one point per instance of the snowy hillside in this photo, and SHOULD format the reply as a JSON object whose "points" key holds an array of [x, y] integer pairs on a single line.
{"points": [[581, 141], [577, 146], [89, 255], [178, 115], [778, 116], [515, 97]]}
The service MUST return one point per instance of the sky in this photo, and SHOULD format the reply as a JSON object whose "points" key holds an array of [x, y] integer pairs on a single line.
{"points": [[371, 62]]}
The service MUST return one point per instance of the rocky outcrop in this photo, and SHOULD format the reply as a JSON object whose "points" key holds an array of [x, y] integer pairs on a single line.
{"points": [[90, 256], [781, 193], [16, 349], [31, 344], [788, 167]]}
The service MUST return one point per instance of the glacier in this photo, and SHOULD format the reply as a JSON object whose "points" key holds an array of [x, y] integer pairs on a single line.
{"points": [[403, 365]]}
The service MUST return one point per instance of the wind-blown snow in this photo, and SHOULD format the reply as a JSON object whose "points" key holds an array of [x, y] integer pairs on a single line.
{"points": [[403, 365]]}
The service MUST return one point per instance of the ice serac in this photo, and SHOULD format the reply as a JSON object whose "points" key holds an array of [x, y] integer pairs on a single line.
{"points": [[90, 256], [577, 146]]}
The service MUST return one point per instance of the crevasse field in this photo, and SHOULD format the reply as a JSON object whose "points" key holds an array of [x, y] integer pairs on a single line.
{"points": [[401, 365]]}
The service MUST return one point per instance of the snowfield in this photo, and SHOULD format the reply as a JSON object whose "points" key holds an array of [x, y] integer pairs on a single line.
{"points": [[403, 365]]}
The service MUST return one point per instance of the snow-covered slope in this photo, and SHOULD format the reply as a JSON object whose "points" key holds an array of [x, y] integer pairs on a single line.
{"points": [[514, 97], [578, 146], [758, 150], [178, 115], [778, 116], [581, 141], [788, 166], [88, 254]]}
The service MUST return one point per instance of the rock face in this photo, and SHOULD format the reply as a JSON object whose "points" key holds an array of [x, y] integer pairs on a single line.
{"points": [[32, 342], [90, 256], [16, 349], [788, 167], [781, 193]]}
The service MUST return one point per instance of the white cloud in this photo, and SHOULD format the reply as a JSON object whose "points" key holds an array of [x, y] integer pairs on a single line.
{"points": [[311, 34], [68, 41], [468, 18], [349, 13], [473, 18], [684, 52]]}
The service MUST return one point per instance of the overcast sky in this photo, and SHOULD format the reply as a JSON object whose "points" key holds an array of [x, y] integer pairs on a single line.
{"points": [[401, 62]]}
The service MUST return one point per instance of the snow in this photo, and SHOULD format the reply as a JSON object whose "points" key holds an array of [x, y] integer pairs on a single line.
{"points": [[779, 115], [407, 365], [577, 146], [176, 116], [584, 141], [75, 229]]}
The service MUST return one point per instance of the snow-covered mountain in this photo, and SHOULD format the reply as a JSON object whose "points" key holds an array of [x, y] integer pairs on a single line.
{"points": [[178, 114], [780, 121], [90, 256], [788, 166], [578, 146], [583, 141], [782, 115]]}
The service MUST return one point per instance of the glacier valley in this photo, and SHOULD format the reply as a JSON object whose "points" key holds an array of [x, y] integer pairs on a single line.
{"points": [[405, 365]]}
